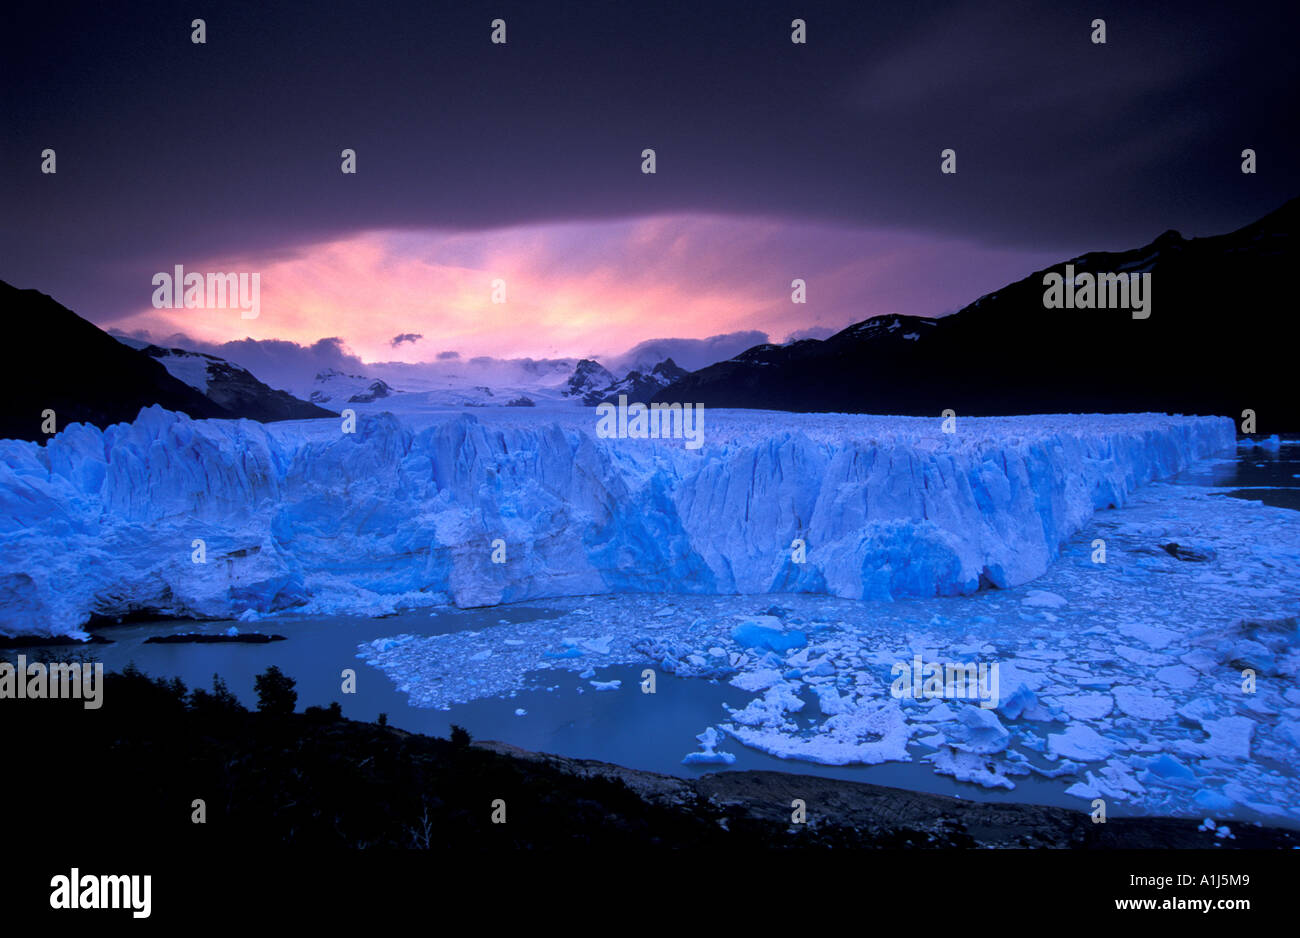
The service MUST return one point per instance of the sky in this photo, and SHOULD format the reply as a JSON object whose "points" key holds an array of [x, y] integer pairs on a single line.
{"points": [[521, 162]]}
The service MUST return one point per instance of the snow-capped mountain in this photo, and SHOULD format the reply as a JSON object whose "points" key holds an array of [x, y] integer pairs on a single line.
{"points": [[433, 391], [335, 387], [231, 387], [589, 381], [376, 395], [592, 383], [639, 386], [1214, 308]]}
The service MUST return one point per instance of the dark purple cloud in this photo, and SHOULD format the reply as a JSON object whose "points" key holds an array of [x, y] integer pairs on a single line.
{"points": [[691, 354], [170, 152]]}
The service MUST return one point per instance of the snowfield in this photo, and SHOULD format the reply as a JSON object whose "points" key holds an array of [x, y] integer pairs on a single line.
{"points": [[404, 512]]}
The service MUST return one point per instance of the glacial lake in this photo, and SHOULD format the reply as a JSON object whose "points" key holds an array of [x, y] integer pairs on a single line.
{"points": [[564, 713]]}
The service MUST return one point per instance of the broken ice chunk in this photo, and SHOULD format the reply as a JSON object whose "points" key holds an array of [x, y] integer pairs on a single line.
{"points": [[1044, 600], [753, 635], [1079, 742], [1141, 703], [708, 755], [984, 731]]}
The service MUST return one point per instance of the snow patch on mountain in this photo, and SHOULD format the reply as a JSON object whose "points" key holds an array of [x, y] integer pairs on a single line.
{"points": [[589, 381], [190, 367], [639, 386], [228, 385]]}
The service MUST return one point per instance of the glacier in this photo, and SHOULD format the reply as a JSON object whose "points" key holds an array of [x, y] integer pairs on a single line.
{"points": [[1128, 686], [408, 511]]}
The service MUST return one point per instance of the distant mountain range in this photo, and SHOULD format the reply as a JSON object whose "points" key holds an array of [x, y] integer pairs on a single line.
{"points": [[55, 360], [640, 387], [592, 383], [1213, 344]]}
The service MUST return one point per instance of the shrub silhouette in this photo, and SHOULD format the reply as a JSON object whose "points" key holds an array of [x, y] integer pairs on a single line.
{"points": [[275, 692], [459, 735], [217, 701]]}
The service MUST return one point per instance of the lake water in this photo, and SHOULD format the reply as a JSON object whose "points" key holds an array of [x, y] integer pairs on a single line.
{"points": [[1271, 477], [642, 731], [627, 727]]}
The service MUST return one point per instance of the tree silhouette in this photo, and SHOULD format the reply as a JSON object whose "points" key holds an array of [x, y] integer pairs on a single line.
{"points": [[275, 691]]}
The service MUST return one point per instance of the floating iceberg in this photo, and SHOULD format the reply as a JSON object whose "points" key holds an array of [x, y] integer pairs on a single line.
{"points": [[708, 754], [1272, 443]]}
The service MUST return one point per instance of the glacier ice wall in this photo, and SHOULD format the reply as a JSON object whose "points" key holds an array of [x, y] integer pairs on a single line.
{"points": [[404, 512]]}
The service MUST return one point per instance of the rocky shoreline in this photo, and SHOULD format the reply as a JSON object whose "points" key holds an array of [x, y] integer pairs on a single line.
{"points": [[845, 813]]}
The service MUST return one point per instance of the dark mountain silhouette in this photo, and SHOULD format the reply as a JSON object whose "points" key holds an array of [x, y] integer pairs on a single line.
{"points": [[1213, 344], [55, 360]]}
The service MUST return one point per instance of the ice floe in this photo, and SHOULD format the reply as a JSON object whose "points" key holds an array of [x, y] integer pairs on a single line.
{"points": [[1132, 691]]}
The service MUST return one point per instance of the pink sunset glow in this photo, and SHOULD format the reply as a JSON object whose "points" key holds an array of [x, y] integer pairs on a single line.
{"points": [[589, 288]]}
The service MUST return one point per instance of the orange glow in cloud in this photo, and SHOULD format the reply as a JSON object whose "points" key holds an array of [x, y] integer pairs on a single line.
{"points": [[576, 288]]}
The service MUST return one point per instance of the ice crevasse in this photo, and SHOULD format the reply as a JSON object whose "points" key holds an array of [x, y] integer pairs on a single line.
{"points": [[404, 512]]}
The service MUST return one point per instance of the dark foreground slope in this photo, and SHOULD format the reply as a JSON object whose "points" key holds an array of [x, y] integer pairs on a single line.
{"points": [[1213, 344], [53, 359], [131, 771]]}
